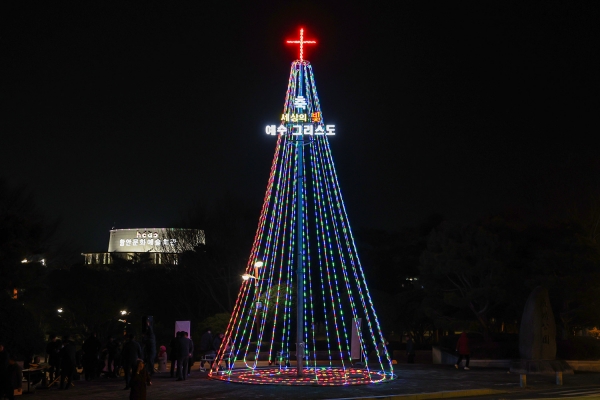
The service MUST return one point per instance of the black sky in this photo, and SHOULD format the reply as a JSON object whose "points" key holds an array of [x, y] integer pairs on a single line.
{"points": [[128, 113]]}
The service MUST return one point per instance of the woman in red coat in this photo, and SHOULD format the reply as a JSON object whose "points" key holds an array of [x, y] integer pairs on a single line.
{"points": [[462, 347]]}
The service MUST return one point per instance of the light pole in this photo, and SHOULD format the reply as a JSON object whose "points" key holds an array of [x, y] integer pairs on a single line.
{"points": [[124, 314], [257, 266], [256, 278]]}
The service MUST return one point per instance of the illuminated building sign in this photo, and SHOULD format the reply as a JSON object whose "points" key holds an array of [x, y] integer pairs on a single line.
{"points": [[146, 234], [158, 240], [144, 242]]}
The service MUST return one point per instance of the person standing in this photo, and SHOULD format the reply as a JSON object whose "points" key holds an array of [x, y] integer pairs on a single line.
{"points": [[173, 354], [410, 350], [67, 362], [206, 342], [90, 348], [3, 370], [129, 355], [14, 375], [149, 349], [183, 355], [382, 347], [112, 348], [118, 363], [462, 347], [52, 349], [217, 345], [206, 346], [191, 357], [138, 382], [217, 341]]}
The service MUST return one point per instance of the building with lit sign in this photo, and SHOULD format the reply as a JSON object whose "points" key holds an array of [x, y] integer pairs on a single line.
{"points": [[147, 246]]}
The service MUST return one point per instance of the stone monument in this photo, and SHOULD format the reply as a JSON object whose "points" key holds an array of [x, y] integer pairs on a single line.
{"points": [[537, 338]]}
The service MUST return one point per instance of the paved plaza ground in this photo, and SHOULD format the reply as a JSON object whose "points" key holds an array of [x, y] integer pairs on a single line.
{"points": [[415, 381]]}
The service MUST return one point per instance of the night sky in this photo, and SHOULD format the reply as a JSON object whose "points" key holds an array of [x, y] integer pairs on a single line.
{"points": [[127, 114]]}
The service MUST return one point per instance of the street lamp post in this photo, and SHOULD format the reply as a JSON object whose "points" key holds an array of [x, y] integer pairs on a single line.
{"points": [[256, 278], [124, 314], [257, 266]]}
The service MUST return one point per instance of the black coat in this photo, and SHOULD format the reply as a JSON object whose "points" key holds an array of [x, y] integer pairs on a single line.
{"points": [[3, 361], [149, 335], [67, 355], [131, 352], [91, 348], [174, 345], [217, 343], [112, 348], [206, 342], [53, 349], [150, 343], [184, 347], [191, 346]]}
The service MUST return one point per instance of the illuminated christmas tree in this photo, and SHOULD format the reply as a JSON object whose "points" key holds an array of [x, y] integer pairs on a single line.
{"points": [[304, 314]]}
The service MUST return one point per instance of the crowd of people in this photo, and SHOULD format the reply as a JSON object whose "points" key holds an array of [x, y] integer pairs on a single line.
{"points": [[137, 361], [182, 349]]}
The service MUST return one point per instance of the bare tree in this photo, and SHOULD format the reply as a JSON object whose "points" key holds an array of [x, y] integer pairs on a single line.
{"points": [[215, 260]]}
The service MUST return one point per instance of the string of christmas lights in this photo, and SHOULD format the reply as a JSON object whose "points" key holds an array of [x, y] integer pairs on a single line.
{"points": [[338, 326]]}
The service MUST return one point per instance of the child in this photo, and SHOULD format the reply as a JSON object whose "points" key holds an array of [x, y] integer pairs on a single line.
{"points": [[162, 359], [138, 382]]}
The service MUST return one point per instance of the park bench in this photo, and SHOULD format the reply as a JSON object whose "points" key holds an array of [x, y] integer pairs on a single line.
{"points": [[210, 358], [207, 358]]}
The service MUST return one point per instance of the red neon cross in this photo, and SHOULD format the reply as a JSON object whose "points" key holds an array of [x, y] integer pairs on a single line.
{"points": [[301, 42]]}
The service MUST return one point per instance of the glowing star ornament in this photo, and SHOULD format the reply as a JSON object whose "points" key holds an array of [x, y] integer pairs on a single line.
{"points": [[301, 42]]}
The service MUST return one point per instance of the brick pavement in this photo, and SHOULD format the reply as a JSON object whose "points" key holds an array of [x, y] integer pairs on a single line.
{"points": [[416, 379]]}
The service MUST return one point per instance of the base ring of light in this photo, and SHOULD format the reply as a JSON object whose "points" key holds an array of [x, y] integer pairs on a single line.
{"points": [[331, 376]]}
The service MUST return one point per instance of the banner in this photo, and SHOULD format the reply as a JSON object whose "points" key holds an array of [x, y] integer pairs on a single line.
{"points": [[183, 326], [355, 341]]}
